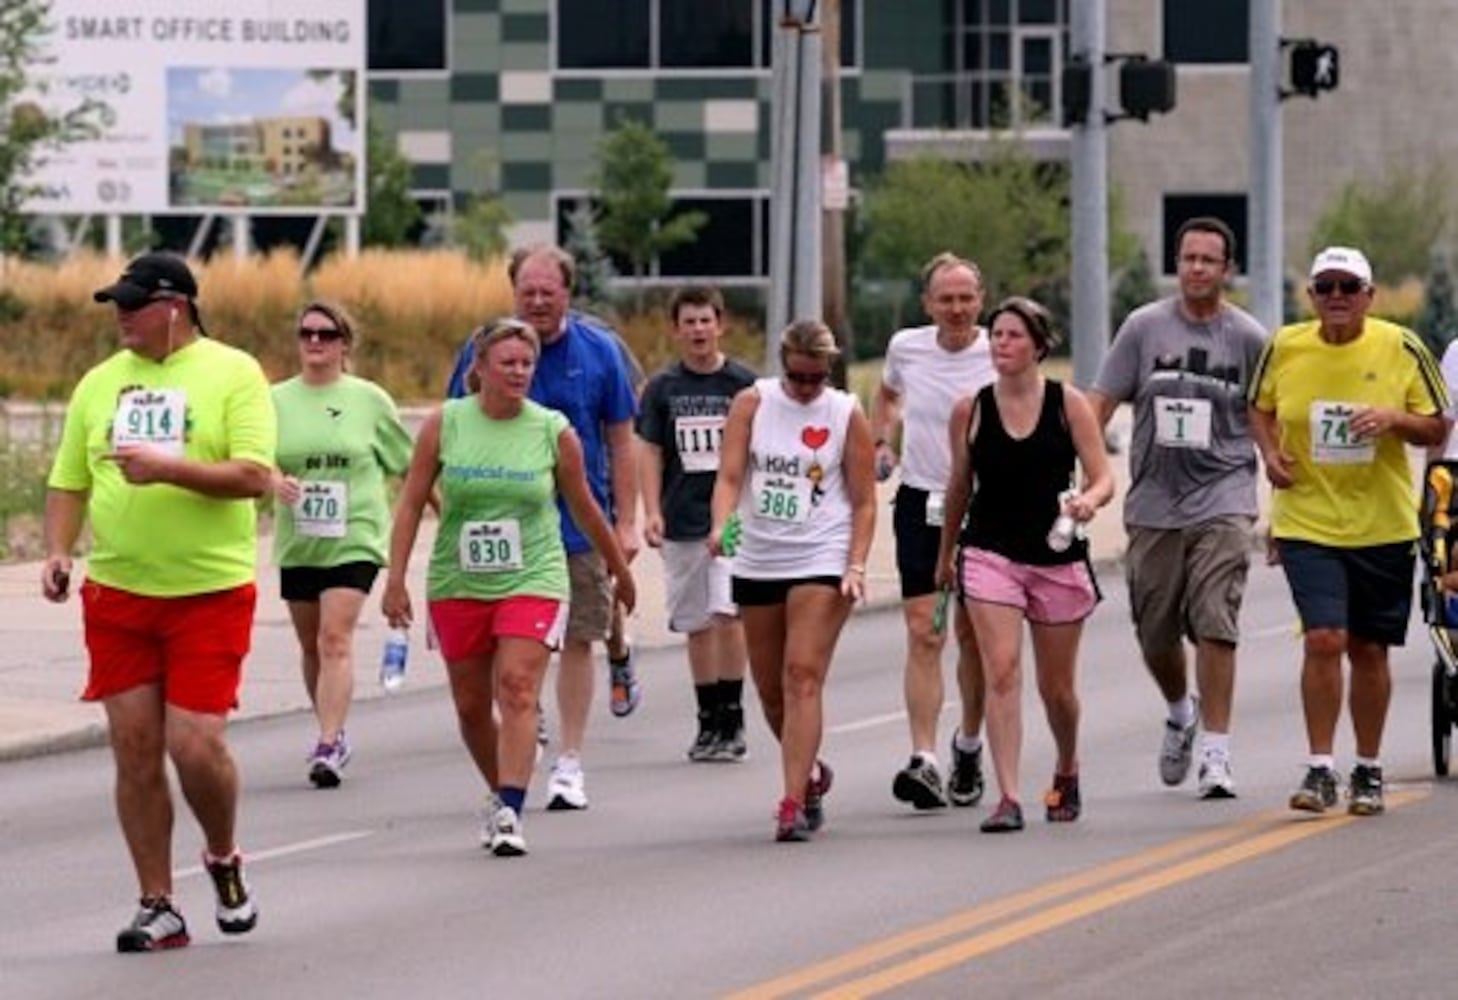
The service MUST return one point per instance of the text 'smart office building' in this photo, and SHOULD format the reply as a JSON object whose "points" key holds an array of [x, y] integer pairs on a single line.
{"points": [[514, 95]]}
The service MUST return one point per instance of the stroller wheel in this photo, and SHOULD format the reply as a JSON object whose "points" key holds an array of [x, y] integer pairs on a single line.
{"points": [[1442, 720]]}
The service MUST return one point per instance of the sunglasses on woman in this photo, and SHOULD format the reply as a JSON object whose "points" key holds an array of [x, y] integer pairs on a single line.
{"points": [[326, 334], [808, 378]]}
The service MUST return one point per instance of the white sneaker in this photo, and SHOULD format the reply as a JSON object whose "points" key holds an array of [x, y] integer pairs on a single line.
{"points": [[566, 789], [488, 820], [506, 839], [1215, 779], [1178, 748]]}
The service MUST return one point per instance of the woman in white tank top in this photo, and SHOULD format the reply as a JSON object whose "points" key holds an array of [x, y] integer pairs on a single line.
{"points": [[804, 450]]}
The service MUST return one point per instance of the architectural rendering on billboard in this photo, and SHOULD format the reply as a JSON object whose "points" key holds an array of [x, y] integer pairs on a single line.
{"points": [[226, 106]]}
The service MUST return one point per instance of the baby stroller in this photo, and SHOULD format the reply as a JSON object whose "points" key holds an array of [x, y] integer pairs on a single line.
{"points": [[1438, 516]]}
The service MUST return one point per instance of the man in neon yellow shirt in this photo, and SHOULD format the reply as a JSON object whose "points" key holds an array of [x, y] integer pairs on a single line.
{"points": [[166, 445], [1334, 403]]}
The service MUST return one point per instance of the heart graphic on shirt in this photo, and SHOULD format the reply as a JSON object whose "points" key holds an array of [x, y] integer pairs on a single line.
{"points": [[815, 437]]}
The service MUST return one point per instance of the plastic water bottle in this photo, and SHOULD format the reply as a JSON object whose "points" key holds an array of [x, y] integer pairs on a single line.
{"points": [[392, 662], [729, 537], [1065, 528], [939, 616]]}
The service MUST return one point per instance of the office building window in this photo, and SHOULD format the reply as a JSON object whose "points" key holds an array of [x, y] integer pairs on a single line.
{"points": [[1230, 209], [1212, 31], [1004, 60], [407, 35], [679, 34]]}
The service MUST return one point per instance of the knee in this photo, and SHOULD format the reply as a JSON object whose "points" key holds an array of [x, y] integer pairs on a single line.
{"points": [[139, 754], [334, 644], [925, 644], [1326, 642], [803, 680], [1004, 680], [517, 692], [193, 746], [472, 709]]}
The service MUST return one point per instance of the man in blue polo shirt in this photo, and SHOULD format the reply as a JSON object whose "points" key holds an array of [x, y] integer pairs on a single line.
{"points": [[582, 374]]}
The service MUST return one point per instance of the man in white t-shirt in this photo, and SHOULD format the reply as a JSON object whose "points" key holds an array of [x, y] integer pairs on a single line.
{"points": [[927, 370]]}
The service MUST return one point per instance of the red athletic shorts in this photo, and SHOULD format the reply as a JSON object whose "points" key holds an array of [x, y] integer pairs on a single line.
{"points": [[193, 646], [466, 627]]}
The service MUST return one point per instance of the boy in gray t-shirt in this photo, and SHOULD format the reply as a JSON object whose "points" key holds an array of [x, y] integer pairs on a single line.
{"points": [[1184, 363]]}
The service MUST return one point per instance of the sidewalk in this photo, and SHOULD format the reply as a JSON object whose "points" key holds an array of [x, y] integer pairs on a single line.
{"points": [[43, 659]]}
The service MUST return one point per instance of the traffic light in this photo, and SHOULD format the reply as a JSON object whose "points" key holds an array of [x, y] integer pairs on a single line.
{"points": [[1146, 86], [1314, 67], [1077, 91]]}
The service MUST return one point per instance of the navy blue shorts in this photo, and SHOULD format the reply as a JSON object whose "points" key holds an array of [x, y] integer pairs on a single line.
{"points": [[306, 583], [917, 543], [1367, 591]]}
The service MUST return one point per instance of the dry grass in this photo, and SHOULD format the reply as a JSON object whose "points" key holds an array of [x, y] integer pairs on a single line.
{"points": [[413, 308]]}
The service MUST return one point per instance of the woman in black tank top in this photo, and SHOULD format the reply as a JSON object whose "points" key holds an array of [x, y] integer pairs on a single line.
{"points": [[1013, 463]]}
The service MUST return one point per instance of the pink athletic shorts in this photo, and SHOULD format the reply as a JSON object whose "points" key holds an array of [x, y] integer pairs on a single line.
{"points": [[468, 627], [1047, 595]]}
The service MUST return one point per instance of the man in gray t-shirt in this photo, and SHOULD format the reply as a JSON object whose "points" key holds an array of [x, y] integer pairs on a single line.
{"points": [[1185, 362]]}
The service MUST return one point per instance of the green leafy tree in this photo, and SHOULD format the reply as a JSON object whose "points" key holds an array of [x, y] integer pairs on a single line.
{"points": [[481, 227], [633, 174], [1438, 323], [1008, 212], [1394, 220], [28, 129], [1134, 288], [391, 212], [595, 270]]}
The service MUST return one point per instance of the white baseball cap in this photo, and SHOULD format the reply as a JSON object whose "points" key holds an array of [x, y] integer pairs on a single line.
{"points": [[1344, 259]]}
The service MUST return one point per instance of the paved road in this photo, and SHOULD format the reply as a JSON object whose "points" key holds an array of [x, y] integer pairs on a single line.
{"points": [[669, 885]]}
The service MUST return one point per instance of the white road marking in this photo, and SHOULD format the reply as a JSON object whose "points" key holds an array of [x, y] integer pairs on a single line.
{"points": [[286, 850]]}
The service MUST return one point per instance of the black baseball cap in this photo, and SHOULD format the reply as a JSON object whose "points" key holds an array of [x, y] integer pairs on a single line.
{"points": [[147, 277]]}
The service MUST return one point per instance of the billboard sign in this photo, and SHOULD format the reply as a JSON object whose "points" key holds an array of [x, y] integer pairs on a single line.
{"points": [[226, 106]]}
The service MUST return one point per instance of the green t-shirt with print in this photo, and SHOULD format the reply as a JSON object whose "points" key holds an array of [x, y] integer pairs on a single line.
{"points": [[500, 533], [340, 441]]}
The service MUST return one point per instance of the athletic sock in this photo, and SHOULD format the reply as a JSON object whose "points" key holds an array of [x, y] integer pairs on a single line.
{"points": [[514, 797]]}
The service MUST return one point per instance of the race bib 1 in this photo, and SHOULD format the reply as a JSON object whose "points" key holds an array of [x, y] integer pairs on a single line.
{"points": [[323, 509], [698, 440], [1181, 423], [155, 417], [785, 499], [936, 508], [1332, 440], [491, 546]]}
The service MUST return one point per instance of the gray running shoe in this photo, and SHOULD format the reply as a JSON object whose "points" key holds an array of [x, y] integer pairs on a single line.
{"points": [[706, 742], [1178, 750], [1318, 791], [506, 836], [920, 784], [1215, 778], [1364, 794]]}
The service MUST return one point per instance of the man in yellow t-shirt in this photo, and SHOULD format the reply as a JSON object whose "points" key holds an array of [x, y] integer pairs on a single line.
{"points": [[1334, 403], [166, 445]]}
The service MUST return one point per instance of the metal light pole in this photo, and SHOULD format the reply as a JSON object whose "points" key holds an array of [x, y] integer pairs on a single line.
{"points": [[795, 280], [834, 194], [1090, 223], [1266, 231]]}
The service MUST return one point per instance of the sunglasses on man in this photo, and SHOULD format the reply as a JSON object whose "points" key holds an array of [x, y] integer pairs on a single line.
{"points": [[1347, 286]]}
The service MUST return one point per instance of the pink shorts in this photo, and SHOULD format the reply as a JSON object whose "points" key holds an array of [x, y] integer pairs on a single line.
{"points": [[1047, 595], [467, 627]]}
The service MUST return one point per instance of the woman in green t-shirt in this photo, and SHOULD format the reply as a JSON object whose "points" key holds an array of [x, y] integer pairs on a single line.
{"points": [[339, 439], [497, 585]]}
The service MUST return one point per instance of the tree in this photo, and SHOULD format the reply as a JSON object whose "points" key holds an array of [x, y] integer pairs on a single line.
{"points": [[1394, 220], [1438, 323], [1008, 212], [595, 270], [28, 129], [481, 228], [1134, 288], [391, 212], [633, 174]]}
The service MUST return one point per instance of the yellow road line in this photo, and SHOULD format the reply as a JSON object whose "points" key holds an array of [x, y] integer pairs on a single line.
{"points": [[1256, 830], [947, 957]]}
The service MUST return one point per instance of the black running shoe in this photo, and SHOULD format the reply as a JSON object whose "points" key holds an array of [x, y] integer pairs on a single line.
{"points": [[1318, 791], [920, 784], [237, 913], [964, 784], [1364, 794]]}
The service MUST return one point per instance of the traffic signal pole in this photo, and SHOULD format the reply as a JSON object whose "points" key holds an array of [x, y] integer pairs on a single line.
{"points": [[1090, 190], [1266, 229]]}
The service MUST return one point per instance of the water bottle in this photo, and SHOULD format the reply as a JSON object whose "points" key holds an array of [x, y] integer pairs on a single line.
{"points": [[1065, 528], [939, 616], [730, 535], [392, 663]]}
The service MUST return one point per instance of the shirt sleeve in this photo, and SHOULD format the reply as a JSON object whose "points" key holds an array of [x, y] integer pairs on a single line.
{"points": [[252, 423], [650, 425], [393, 444], [1262, 393], [1118, 376], [456, 387], [891, 369], [1450, 377], [70, 470], [619, 401], [1427, 391]]}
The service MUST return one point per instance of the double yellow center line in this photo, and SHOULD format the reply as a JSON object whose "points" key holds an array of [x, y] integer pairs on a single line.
{"points": [[937, 947]]}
